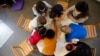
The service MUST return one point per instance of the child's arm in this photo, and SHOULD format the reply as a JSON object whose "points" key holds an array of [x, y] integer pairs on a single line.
{"points": [[70, 9], [33, 23], [48, 5], [81, 20], [34, 10]]}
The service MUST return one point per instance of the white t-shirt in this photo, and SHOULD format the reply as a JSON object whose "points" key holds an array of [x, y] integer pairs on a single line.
{"points": [[34, 10], [33, 23]]}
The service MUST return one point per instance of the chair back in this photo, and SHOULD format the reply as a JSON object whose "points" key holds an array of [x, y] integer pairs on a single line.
{"points": [[63, 3], [23, 23], [93, 51], [25, 49], [91, 31]]}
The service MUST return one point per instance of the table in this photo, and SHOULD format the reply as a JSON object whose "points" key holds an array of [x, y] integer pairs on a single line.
{"points": [[60, 46]]}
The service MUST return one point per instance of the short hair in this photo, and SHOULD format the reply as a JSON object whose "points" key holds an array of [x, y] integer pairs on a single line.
{"points": [[41, 6], [50, 33], [41, 30], [56, 11], [82, 6], [41, 20]]}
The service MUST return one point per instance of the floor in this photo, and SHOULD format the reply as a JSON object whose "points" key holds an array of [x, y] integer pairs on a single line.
{"points": [[10, 17]]}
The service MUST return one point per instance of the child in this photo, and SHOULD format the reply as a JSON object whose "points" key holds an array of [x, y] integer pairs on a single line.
{"points": [[74, 31], [41, 8], [82, 49], [56, 13], [50, 41], [37, 21], [39, 33], [78, 13]]}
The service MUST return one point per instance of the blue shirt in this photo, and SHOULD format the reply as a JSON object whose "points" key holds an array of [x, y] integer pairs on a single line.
{"points": [[77, 31]]}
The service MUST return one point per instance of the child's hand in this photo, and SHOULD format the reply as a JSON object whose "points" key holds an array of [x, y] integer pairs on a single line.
{"points": [[44, 14], [68, 15]]}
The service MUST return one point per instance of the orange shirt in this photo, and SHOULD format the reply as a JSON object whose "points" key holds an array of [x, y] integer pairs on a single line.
{"points": [[50, 44]]}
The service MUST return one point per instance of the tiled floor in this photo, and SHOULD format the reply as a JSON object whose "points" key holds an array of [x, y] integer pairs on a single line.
{"points": [[10, 17]]}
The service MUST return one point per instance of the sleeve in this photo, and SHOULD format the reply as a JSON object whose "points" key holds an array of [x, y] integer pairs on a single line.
{"points": [[70, 9], [47, 4], [33, 24], [34, 10], [81, 20], [33, 31], [75, 40], [34, 39]]}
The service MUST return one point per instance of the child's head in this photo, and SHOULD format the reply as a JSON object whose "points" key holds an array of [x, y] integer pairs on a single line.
{"points": [[56, 11], [41, 7], [81, 6], [50, 33], [41, 20], [65, 29], [41, 30], [82, 49]]}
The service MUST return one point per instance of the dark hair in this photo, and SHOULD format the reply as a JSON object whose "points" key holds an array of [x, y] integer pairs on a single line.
{"points": [[50, 33], [41, 20], [82, 49], [8, 2], [41, 31], [82, 6], [41, 6], [56, 11]]}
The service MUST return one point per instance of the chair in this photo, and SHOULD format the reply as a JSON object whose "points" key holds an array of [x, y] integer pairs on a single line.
{"points": [[91, 31], [23, 23], [63, 3], [25, 49], [93, 51]]}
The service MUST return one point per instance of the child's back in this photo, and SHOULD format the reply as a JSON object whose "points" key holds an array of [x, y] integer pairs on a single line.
{"points": [[50, 41], [37, 35]]}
